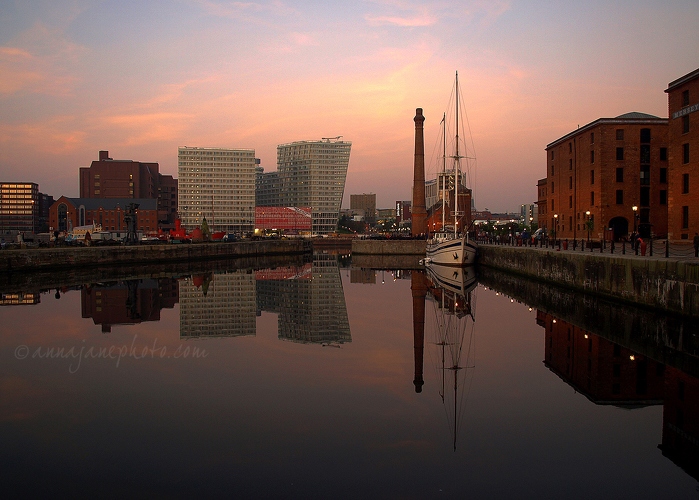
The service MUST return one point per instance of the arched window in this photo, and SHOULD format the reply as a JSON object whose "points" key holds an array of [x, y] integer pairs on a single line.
{"points": [[62, 217], [81, 216]]}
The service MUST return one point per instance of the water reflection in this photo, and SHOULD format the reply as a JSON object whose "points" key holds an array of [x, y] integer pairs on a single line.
{"points": [[621, 356], [217, 305], [308, 299], [453, 299], [590, 410], [310, 304], [20, 299], [127, 302]]}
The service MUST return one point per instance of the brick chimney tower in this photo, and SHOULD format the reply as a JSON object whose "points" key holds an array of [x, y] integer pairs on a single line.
{"points": [[419, 212]]}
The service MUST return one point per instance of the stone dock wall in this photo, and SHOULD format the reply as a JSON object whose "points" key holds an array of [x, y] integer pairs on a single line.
{"points": [[389, 247], [664, 284], [42, 259]]}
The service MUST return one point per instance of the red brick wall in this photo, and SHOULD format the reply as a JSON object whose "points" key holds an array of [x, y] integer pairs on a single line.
{"points": [[677, 168], [110, 220], [570, 182]]}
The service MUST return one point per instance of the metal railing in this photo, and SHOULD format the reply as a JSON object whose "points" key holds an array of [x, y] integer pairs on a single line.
{"points": [[644, 248]]}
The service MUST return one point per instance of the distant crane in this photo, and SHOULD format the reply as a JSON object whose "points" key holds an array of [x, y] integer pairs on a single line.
{"points": [[332, 138]]}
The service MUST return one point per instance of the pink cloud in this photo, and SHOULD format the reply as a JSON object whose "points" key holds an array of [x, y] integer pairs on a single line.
{"points": [[409, 22]]}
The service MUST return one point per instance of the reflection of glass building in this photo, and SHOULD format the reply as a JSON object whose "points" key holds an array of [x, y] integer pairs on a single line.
{"points": [[20, 299], [603, 371], [218, 305], [128, 302], [311, 308]]}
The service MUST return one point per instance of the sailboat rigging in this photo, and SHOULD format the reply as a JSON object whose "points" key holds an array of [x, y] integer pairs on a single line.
{"points": [[453, 296], [450, 245]]}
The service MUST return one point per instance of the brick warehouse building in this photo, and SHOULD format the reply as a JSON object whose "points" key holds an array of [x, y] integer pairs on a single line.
{"points": [[607, 168], [109, 178], [365, 202], [683, 150], [67, 213]]}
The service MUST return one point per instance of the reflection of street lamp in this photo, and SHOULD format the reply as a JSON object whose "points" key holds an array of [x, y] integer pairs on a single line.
{"points": [[635, 216], [589, 226]]}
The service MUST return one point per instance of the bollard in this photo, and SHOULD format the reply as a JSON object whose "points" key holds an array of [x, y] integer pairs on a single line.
{"points": [[582, 246], [612, 246], [623, 247]]}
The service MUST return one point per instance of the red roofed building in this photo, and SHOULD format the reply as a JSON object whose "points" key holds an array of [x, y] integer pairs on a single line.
{"points": [[288, 219]]}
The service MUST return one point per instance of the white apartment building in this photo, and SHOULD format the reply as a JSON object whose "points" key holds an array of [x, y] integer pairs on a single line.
{"points": [[218, 184], [312, 174]]}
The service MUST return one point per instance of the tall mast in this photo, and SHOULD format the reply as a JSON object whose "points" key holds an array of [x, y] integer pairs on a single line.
{"points": [[457, 165], [444, 166]]}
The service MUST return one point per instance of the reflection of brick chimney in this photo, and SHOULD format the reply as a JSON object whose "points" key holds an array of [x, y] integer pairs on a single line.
{"points": [[104, 155], [419, 212], [419, 289]]}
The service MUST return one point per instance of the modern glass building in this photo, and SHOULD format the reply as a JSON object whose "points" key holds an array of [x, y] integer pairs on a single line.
{"points": [[312, 174], [218, 184], [19, 207]]}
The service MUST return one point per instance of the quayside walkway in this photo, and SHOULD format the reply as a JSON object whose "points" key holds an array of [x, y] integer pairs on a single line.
{"points": [[665, 283], [652, 248]]}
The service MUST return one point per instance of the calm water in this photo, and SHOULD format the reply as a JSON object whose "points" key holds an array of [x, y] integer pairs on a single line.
{"points": [[300, 381]]}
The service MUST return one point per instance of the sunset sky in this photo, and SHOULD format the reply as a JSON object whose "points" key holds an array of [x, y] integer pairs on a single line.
{"points": [[140, 78]]}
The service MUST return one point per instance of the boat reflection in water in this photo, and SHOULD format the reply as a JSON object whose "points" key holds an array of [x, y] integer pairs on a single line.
{"points": [[453, 296]]}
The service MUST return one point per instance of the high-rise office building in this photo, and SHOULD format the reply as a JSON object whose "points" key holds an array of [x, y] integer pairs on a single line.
{"points": [[219, 185], [267, 188], [312, 174], [19, 207]]}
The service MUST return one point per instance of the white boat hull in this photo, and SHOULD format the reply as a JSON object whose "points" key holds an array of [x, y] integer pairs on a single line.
{"points": [[455, 252]]}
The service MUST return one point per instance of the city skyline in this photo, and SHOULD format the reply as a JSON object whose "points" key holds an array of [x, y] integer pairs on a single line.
{"points": [[143, 80]]}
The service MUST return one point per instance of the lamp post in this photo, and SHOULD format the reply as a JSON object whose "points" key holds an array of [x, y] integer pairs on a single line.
{"points": [[589, 226], [555, 228], [635, 217]]}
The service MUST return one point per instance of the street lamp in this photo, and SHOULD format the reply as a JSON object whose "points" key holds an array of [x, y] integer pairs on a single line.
{"points": [[589, 224], [635, 216], [555, 228]]}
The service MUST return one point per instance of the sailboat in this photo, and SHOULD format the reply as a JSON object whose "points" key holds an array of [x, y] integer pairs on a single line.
{"points": [[450, 245], [454, 305]]}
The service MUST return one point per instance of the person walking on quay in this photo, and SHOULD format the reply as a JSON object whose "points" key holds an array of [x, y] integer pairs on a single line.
{"points": [[696, 244]]}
